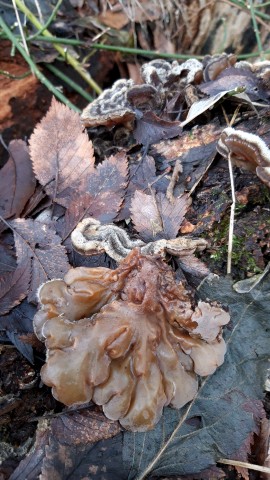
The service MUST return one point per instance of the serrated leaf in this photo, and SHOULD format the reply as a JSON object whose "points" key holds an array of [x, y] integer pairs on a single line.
{"points": [[103, 195], [17, 181], [61, 152], [43, 250], [14, 286], [226, 409], [155, 217], [141, 174]]}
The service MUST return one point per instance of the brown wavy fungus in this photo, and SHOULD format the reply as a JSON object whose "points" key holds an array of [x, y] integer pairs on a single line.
{"points": [[130, 339]]}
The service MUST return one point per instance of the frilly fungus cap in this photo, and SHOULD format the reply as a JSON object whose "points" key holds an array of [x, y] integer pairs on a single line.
{"points": [[129, 339], [247, 151]]}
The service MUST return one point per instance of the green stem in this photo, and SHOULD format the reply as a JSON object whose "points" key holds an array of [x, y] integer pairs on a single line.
{"points": [[255, 28], [45, 26], [66, 55], [34, 68], [15, 77], [243, 6], [68, 80]]}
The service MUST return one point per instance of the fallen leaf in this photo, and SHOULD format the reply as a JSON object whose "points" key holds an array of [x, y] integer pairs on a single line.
{"points": [[62, 155], [17, 181], [14, 286], [65, 448], [142, 173], [154, 217], [179, 445], [41, 248], [201, 106], [103, 195], [151, 129], [18, 322], [231, 78], [83, 427]]}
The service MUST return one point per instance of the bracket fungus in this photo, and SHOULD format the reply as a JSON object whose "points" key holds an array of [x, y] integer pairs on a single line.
{"points": [[91, 237], [247, 151], [131, 339], [111, 107]]}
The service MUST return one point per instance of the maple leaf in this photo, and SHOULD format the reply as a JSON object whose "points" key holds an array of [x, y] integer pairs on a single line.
{"points": [[151, 129], [61, 152], [103, 195], [41, 247], [155, 217], [17, 181]]}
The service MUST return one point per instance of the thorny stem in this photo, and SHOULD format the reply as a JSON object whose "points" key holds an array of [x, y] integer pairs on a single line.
{"points": [[231, 225], [34, 68], [66, 55]]}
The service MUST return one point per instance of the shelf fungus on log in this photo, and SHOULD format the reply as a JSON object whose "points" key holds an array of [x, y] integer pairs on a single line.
{"points": [[131, 339], [247, 151]]}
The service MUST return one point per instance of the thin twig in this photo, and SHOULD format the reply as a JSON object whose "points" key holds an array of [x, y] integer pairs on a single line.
{"points": [[249, 466], [34, 68], [15, 77], [176, 171], [231, 225], [20, 26]]}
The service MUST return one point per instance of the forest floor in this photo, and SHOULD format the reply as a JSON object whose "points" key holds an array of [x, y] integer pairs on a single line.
{"points": [[153, 160]]}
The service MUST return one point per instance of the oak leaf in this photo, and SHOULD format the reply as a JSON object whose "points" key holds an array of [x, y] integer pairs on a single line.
{"points": [[155, 217], [61, 152]]}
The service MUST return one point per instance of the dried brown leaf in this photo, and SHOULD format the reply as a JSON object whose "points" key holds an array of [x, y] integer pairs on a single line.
{"points": [[80, 444], [19, 322], [14, 286], [17, 181], [154, 217], [83, 427], [151, 129], [61, 152], [103, 195], [141, 175], [42, 248]]}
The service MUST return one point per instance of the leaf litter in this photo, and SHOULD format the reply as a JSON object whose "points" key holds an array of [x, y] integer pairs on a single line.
{"points": [[224, 416]]}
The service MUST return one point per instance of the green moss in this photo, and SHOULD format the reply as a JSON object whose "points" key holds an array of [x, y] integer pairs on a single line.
{"points": [[242, 259]]}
